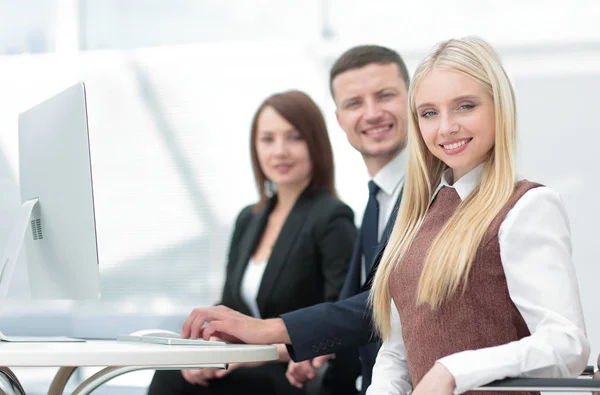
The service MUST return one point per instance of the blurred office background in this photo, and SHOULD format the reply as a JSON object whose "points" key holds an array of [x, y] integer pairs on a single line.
{"points": [[172, 86]]}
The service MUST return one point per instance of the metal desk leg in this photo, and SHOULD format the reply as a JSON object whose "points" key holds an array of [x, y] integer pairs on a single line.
{"points": [[103, 376], [111, 372], [59, 382], [9, 383]]}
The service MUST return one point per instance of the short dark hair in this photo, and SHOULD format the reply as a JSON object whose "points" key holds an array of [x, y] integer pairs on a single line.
{"points": [[362, 55], [305, 116]]}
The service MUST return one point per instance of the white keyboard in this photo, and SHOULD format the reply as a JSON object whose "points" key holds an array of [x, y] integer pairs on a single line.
{"points": [[166, 337]]}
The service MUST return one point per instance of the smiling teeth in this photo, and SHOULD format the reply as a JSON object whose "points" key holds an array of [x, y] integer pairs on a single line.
{"points": [[455, 145], [378, 130]]}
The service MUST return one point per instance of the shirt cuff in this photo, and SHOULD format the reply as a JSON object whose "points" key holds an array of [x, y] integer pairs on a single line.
{"points": [[475, 368]]}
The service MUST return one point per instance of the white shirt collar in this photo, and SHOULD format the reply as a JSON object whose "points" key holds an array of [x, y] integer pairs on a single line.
{"points": [[465, 185], [391, 175]]}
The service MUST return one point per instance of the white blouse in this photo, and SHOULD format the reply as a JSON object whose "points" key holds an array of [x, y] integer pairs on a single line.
{"points": [[251, 283], [535, 248]]}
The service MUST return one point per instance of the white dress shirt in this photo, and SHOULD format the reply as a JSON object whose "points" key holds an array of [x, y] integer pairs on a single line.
{"points": [[251, 284], [390, 180], [535, 248]]}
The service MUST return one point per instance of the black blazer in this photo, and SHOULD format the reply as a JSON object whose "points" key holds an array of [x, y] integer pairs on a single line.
{"points": [[341, 327], [308, 262]]}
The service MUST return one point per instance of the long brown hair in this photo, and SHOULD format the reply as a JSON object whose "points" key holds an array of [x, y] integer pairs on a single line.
{"points": [[305, 116]]}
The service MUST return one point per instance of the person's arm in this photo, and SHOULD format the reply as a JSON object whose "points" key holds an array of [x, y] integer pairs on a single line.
{"points": [[390, 373], [335, 235], [326, 327], [316, 330], [535, 247]]}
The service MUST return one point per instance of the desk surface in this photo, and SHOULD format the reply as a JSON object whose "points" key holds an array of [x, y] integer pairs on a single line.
{"points": [[118, 353]]}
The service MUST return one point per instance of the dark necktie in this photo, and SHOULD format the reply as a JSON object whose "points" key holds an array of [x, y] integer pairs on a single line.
{"points": [[370, 227]]}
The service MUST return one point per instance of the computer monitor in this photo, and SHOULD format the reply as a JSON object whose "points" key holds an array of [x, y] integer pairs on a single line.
{"points": [[56, 219]]}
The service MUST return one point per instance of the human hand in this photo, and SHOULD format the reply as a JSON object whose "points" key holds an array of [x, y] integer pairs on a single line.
{"points": [[299, 373], [437, 381], [199, 376], [233, 366], [281, 351], [233, 326]]}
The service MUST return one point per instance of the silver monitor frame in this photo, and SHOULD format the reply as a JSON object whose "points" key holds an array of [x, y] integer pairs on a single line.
{"points": [[56, 219]]}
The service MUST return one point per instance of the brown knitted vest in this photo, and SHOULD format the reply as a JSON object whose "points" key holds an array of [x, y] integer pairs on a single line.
{"points": [[482, 316]]}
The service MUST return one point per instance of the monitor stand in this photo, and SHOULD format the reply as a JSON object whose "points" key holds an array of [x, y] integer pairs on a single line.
{"points": [[7, 268], [13, 248], [37, 339]]}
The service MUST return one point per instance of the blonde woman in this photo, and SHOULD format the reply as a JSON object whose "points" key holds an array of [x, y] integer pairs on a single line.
{"points": [[477, 282]]}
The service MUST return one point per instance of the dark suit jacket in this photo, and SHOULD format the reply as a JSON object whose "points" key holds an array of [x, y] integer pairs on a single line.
{"points": [[308, 262], [342, 326]]}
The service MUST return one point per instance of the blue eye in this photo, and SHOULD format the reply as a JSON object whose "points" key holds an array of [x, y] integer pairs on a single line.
{"points": [[428, 114], [466, 106]]}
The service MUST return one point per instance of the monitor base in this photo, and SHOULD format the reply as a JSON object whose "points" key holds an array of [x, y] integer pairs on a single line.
{"points": [[13, 248]]}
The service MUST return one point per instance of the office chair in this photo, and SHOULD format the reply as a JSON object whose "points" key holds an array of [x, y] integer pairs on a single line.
{"points": [[580, 384]]}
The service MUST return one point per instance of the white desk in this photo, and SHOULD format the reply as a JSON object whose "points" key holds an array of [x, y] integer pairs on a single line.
{"points": [[122, 357]]}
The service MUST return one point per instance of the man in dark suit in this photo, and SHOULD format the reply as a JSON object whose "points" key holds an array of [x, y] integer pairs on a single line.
{"points": [[369, 85]]}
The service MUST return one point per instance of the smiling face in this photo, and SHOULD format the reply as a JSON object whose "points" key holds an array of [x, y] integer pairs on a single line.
{"points": [[456, 119], [372, 109], [282, 151]]}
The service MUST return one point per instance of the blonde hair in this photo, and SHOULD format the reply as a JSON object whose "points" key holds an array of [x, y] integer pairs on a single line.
{"points": [[449, 260]]}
